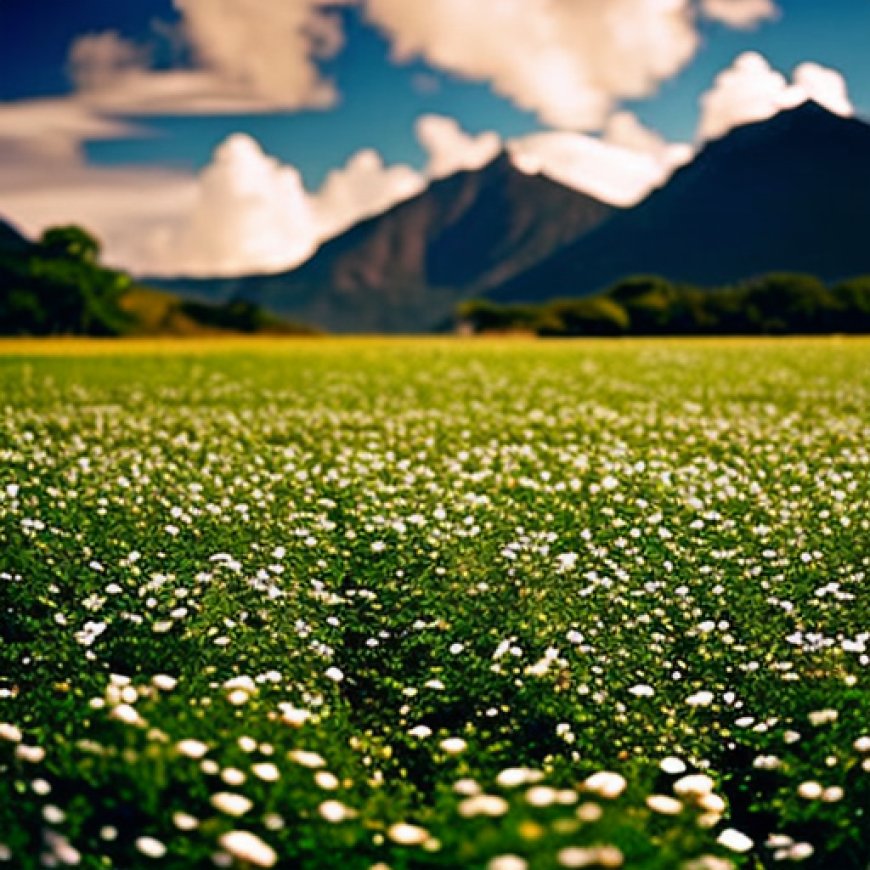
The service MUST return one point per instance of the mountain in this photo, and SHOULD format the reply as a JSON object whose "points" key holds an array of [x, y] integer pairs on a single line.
{"points": [[405, 270], [788, 194], [11, 241]]}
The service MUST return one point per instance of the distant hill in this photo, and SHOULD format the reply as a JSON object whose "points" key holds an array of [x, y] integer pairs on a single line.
{"points": [[788, 194], [406, 270], [56, 286]]}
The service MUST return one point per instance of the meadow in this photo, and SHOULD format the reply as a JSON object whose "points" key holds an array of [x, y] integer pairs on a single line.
{"points": [[403, 604]]}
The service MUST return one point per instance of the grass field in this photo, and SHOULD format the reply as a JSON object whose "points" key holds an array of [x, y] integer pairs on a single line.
{"points": [[487, 604]]}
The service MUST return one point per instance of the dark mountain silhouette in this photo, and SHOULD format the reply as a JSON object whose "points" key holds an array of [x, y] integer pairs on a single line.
{"points": [[788, 194], [406, 269], [11, 241]]}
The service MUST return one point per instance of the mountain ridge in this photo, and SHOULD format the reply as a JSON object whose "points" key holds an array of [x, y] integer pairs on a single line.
{"points": [[407, 268], [791, 193]]}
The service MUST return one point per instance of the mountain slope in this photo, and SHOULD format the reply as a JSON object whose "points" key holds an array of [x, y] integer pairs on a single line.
{"points": [[11, 241], [791, 193], [406, 269]]}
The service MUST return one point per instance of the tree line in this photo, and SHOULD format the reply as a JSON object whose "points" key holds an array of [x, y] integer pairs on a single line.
{"points": [[774, 304]]}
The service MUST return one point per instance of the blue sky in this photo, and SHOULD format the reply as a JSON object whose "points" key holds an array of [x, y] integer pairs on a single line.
{"points": [[119, 115], [380, 100]]}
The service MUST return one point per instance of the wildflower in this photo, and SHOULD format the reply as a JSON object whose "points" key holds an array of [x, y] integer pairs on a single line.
{"points": [[512, 777], [191, 748], [483, 805], [406, 834], [248, 848], [735, 840], [453, 745], [335, 811], [667, 806], [150, 847], [606, 784], [231, 803]]}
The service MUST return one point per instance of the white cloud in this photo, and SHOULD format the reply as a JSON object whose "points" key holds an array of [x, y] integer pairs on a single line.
{"points": [[252, 214], [55, 128], [450, 149], [740, 14], [824, 85], [612, 173], [250, 56], [363, 187], [567, 60], [246, 212], [751, 90], [128, 210], [625, 130], [97, 60]]}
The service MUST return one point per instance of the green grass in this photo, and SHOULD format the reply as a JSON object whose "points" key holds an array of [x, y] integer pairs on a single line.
{"points": [[372, 576]]}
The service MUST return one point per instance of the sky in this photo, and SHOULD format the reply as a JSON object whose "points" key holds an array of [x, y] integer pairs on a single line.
{"points": [[234, 136]]}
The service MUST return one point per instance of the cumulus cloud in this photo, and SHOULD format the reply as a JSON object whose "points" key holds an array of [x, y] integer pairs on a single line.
{"points": [[740, 14], [612, 173], [249, 55], [566, 60], [626, 131], [250, 213], [751, 90], [363, 187], [451, 149], [97, 60]]}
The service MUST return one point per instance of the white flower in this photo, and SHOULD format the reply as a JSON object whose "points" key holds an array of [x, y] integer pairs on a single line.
{"points": [[713, 803], [421, 732], [150, 847], [862, 744], [483, 805], [126, 714], [31, 754], [10, 732], [326, 780], [810, 790], [164, 682], [334, 674], [800, 852], [453, 745], [822, 717], [291, 715], [266, 771], [642, 691], [661, 803], [303, 758], [231, 803], [541, 796], [734, 840], [696, 784], [406, 834], [249, 848], [185, 821], [832, 794], [512, 777], [606, 784], [507, 862], [233, 776], [191, 748], [336, 811], [672, 765], [601, 856], [700, 699]]}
